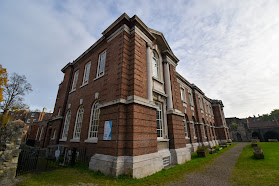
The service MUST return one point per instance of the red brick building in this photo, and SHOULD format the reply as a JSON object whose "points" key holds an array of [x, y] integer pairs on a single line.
{"points": [[123, 101]]}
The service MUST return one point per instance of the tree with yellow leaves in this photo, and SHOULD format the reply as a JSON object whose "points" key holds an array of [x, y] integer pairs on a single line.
{"points": [[3, 81]]}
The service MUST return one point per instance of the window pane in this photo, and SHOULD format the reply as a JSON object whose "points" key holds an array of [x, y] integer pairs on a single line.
{"points": [[159, 120], [94, 125], [101, 65], [66, 125], [155, 65], [75, 80], [78, 122]]}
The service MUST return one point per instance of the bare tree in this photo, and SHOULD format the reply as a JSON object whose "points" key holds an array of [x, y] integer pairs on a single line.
{"points": [[12, 95]]}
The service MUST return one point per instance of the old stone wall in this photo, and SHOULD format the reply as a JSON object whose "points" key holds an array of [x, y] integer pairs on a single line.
{"points": [[10, 139], [239, 131]]}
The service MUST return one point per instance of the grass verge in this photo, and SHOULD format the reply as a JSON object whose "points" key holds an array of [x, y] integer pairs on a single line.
{"points": [[251, 171], [81, 174]]}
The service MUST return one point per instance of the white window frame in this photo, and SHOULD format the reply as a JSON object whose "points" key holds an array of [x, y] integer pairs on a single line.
{"points": [[191, 98], [185, 127], [94, 121], [78, 123], [183, 95], [34, 120], [101, 64], [204, 132], [86, 73], [66, 125], [155, 64], [33, 115], [42, 130], [160, 120], [74, 85], [194, 130], [200, 102], [28, 120], [37, 133], [54, 134]]}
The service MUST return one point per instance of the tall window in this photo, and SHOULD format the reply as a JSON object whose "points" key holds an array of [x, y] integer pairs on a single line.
{"points": [[54, 134], [159, 119], [182, 92], [101, 64], [37, 133], [41, 135], [66, 125], [194, 130], [75, 80], [191, 98], [155, 64], [185, 127], [86, 73], [78, 123], [94, 121], [200, 102], [204, 130]]}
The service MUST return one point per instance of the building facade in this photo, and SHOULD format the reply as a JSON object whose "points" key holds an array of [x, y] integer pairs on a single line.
{"points": [[31, 120], [123, 101]]}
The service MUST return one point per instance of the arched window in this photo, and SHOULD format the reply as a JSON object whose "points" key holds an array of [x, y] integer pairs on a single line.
{"points": [[94, 121], [78, 123], [155, 64], [66, 125]]}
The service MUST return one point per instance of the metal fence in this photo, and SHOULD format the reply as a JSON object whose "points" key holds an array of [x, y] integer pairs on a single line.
{"points": [[39, 160], [34, 160]]}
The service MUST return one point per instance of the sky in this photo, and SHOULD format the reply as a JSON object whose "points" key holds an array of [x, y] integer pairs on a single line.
{"points": [[229, 49]]}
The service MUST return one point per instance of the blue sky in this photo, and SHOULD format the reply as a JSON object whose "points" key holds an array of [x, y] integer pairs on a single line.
{"points": [[230, 49]]}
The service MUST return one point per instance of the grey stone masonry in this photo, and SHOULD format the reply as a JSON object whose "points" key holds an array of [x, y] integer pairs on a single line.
{"points": [[10, 139]]}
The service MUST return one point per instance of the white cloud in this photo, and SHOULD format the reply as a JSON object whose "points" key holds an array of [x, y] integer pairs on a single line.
{"points": [[228, 48]]}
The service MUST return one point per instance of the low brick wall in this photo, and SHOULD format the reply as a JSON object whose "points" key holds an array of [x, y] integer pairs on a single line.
{"points": [[10, 139]]}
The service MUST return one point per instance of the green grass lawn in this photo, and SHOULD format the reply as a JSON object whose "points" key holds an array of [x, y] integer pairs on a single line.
{"points": [[81, 174], [251, 171]]}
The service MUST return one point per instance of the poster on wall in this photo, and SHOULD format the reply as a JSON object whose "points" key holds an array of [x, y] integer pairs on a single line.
{"points": [[107, 130]]}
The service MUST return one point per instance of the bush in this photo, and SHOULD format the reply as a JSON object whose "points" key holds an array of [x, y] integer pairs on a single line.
{"points": [[202, 148]]}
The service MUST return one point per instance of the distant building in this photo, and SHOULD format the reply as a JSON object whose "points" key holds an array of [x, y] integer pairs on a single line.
{"points": [[253, 127], [31, 120]]}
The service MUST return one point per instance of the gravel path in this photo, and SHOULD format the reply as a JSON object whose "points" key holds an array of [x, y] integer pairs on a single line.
{"points": [[217, 173]]}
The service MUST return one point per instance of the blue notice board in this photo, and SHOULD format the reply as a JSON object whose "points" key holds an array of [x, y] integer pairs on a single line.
{"points": [[107, 130]]}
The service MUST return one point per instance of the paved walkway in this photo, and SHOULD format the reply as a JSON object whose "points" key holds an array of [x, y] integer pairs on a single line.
{"points": [[217, 173]]}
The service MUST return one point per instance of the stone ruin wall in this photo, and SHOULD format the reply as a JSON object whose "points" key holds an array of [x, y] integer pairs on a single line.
{"points": [[10, 140]]}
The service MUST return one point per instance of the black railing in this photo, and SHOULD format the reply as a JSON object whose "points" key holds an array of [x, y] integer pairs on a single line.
{"points": [[39, 160]]}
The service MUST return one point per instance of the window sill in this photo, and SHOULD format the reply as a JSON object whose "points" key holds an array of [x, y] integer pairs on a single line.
{"points": [[65, 139], [195, 138], [92, 140], [73, 90], [158, 80], [161, 139], [75, 140], [83, 85], [98, 77], [187, 138]]}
